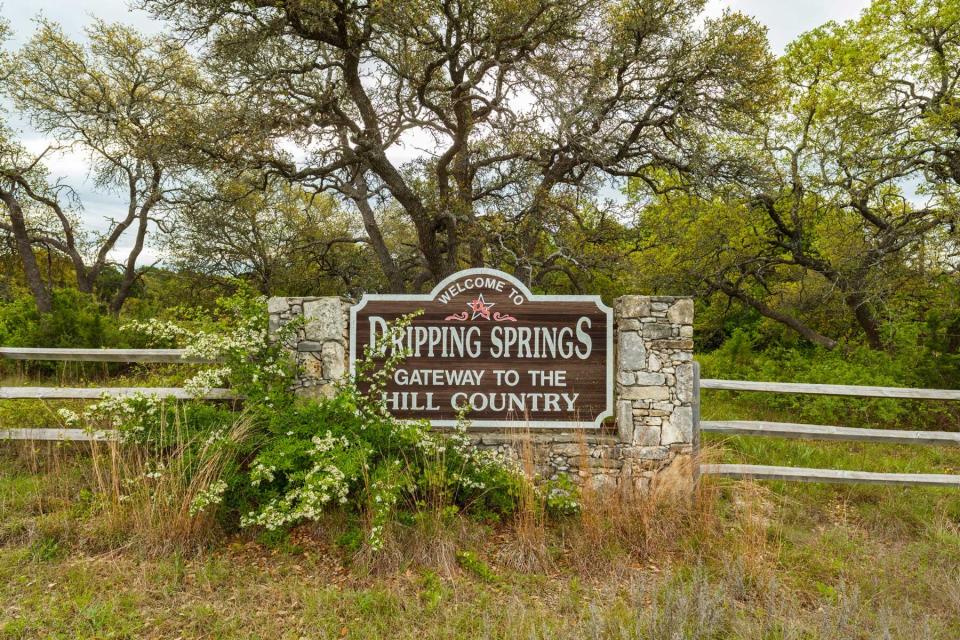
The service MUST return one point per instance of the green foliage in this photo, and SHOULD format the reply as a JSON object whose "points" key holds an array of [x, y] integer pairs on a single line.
{"points": [[561, 496], [308, 457], [46, 549], [348, 452], [746, 356], [471, 562], [77, 320], [330, 454]]}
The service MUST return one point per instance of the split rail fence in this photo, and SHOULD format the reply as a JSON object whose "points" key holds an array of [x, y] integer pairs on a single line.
{"points": [[826, 432], [728, 427], [93, 393]]}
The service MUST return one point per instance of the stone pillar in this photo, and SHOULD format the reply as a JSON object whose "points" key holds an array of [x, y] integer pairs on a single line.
{"points": [[320, 344], [654, 387]]}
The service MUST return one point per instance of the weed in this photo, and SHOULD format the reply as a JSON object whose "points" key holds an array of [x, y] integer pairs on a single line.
{"points": [[472, 563]]}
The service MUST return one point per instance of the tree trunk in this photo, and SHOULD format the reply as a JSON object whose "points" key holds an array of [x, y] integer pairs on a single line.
{"points": [[130, 268], [387, 263], [84, 280], [766, 311], [863, 312], [375, 157], [31, 270]]}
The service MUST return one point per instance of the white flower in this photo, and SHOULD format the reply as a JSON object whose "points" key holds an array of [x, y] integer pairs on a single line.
{"points": [[261, 472], [200, 385], [211, 495], [157, 330], [69, 417]]}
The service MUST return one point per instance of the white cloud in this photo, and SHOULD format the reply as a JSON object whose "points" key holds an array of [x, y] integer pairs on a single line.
{"points": [[72, 15], [786, 20]]}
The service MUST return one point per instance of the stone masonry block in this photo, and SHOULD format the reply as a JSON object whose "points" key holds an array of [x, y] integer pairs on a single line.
{"points": [[645, 378], [334, 359], [625, 420], [656, 331], [685, 382], [632, 352], [678, 429], [325, 319], [632, 306], [646, 435], [277, 305], [645, 393], [681, 312]]}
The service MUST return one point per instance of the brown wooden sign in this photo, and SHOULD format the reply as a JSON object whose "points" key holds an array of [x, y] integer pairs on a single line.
{"points": [[485, 343]]}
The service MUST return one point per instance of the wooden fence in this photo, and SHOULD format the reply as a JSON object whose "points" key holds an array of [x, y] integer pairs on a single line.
{"points": [[729, 427], [825, 432], [94, 393]]}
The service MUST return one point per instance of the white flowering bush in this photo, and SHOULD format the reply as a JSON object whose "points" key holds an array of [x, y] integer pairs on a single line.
{"points": [[560, 496], [136, 417], [211, 495], [188, 455], [235, 342], [349, 453], [306, 458]]}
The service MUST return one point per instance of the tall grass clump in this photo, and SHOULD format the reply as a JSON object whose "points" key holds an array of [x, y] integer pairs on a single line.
{"points": [[169, 498], [636, 524]]}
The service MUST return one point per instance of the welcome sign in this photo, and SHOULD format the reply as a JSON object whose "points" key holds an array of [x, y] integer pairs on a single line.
{"points": [[485, 344]]}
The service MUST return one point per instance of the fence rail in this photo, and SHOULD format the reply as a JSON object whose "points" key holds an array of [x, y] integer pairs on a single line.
{"points": [[102, 355], [801, 474], [825, 432], [831, 389], [95, 393], [828, 432], [730, 427], [76, 435], [177, 356]]}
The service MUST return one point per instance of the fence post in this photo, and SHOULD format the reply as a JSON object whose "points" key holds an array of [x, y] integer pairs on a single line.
{"points": [[654, 389], [696, 422], [320, 346]]}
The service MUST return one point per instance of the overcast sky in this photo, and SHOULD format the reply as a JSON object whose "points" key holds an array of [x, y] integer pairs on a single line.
{"points": [[785, 19]]}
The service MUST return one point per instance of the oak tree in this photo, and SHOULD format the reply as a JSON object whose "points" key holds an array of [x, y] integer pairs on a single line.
{"points": [[484, 121], [123, 101]]}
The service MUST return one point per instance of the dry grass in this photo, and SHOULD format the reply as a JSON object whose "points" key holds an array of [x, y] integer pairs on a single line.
{"points": [[725, 566], [526, 547], [642, 526], [742, 560], [146, 495]]}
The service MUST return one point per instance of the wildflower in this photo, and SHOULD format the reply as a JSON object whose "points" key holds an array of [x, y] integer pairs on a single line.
{"points": [[211, 495]]}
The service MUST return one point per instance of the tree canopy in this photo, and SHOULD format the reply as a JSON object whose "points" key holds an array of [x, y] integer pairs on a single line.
{"points": [[528, 108], [342, 146], [123, 101], [846, 194]]}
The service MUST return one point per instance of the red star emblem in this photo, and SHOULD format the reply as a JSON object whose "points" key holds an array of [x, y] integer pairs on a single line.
{"points": [[480, 307]]}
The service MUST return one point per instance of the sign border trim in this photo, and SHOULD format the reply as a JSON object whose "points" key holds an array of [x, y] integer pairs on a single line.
{"points": [[443, 284]]}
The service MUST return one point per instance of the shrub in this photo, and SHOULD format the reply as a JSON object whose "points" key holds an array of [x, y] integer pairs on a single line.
{"points": [[76, 320], [349, 452], [300, 458]]}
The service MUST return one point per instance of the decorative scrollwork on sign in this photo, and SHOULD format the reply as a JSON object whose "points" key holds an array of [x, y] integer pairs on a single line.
{"points": [[503, 317], [459, 317]]}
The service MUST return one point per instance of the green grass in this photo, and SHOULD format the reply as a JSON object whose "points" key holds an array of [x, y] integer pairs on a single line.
{"points": [[785, 561], [293, 597]]}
